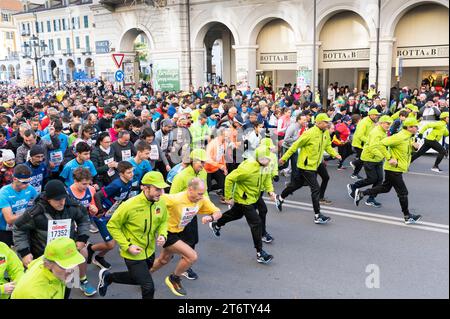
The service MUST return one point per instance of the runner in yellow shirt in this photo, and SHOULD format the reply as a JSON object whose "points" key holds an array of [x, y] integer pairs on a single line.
{"points": [[182, 207]]}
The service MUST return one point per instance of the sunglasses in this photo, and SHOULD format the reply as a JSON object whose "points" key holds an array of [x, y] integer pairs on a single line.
{"points": [[25, 182]]}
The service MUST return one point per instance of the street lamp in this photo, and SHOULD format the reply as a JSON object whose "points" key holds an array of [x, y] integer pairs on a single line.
{"points": [[35, 50]]}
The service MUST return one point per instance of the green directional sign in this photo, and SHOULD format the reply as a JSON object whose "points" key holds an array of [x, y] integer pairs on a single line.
{"points": [[167, 75]]}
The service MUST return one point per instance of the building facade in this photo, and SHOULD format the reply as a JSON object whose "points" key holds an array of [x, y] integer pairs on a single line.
{"points": [[65, 31], [255, 42], [9, 51]]}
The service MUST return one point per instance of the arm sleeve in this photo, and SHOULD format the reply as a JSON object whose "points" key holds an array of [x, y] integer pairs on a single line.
{"points": [[21, 234], [208, 208], [231, 179], [15, 267]]}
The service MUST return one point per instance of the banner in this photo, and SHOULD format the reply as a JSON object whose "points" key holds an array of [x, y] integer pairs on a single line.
{"points": [[166, 75], [303, 78], [241, 80]]}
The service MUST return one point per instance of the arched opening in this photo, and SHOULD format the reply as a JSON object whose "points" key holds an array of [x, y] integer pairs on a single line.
{"points": [[137, 63], [424, 56], [220, 60], [3, 73], [70, 69], [11, 72], [276, 55], [344, 55], [89, 67], [51, 68]]}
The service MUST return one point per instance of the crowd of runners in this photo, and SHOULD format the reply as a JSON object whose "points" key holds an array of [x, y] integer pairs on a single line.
{"points": [[138, 166]]}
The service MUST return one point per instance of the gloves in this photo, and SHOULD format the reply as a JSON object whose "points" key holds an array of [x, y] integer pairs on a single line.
{"points": [[276, 178]]}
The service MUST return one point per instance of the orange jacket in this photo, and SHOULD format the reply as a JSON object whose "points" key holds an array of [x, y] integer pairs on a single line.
{"points": [[215, 154]]}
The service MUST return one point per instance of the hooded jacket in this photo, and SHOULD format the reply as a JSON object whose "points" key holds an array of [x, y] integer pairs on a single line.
{"points": [[30, 229], [399, 147], [362, 132]]}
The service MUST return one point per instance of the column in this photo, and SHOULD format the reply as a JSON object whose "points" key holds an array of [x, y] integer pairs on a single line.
{"points": [[246, 62], [198, 67], [305, 52], [384, 65], [226, 57]]}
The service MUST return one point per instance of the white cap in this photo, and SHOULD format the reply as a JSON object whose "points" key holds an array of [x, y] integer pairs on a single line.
{"points": [[7, 155]]}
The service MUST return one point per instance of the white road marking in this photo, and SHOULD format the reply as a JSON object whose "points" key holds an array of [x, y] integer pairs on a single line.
{"points": [[439, 228], [429, 175]]}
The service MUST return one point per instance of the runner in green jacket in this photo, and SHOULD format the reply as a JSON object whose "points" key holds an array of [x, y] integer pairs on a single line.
{"points": [[11, 264], [243, 188], [134, 225], [398, 159], [312, 145], [433, 139]]}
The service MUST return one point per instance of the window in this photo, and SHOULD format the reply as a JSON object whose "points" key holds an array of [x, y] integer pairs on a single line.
{"points": [[78, 60], [59, 25], [58, 44], [9, 35], [73, 23], [55, 26], [88, 44], [68, 44], [86, 21], [49, 26], [60, 61], [64, 24], [42, 27], [77, 42], [37, 26], [50, 45], [78, 23], [6, 17]]}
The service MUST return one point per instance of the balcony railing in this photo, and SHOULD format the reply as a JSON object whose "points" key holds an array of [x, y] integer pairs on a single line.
{"points": [[25, 33], [86, 51], [67, 52]]}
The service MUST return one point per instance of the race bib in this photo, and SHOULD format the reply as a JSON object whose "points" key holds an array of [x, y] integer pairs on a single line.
{"points": [[154, 154], [126, 154], [58, 228], [187, 214], [164, 142], [56, 157]]}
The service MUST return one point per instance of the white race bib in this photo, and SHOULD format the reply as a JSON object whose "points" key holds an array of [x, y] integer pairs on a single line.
{"points": [[164, 142], [187, 214], [154, 154], [58, 228], [126, 154], [56, 157]]}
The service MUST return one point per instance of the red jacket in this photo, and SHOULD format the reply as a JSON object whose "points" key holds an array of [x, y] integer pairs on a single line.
{"points": [[342, 133]]}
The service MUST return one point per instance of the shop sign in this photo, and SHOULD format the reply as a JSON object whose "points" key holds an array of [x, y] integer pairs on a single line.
{"points": [[167, 75], [346, 55], [278, 58], [423, 52]]}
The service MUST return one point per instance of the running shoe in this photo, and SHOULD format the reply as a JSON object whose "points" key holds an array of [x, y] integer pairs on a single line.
{"points": [[372, 202], [190, 274], [351, 190], [87, 288], [267, 238], [103, 282], [174, 284], [101, 262], [215, 229], [263, 258], [279, 203], [358, 197], [356, 176], [93, 229], [412, 219], [325, 201], [322, 219], [436, 169]]}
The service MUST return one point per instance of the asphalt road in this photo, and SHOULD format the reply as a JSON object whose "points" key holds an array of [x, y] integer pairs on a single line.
{"points": [[362, 247]]}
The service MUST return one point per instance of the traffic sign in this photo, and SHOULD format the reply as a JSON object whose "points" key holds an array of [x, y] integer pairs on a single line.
{"points": [[119, 75], [118, 59]]}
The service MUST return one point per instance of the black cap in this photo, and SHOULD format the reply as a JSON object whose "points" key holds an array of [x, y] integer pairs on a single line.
{"points": [[36, 150], [54, 189]]}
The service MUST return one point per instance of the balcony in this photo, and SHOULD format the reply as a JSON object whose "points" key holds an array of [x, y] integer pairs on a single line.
{"points": [[13, 55], [49, 52], [86, 51], [25, 33], [67, 52]]}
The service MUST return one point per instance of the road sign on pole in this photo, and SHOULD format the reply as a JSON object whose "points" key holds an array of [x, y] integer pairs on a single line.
{"points": [[119, 75], [118, 59]]}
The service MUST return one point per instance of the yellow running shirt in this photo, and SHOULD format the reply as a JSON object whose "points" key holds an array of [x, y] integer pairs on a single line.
{"points": [[182, 210]]}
